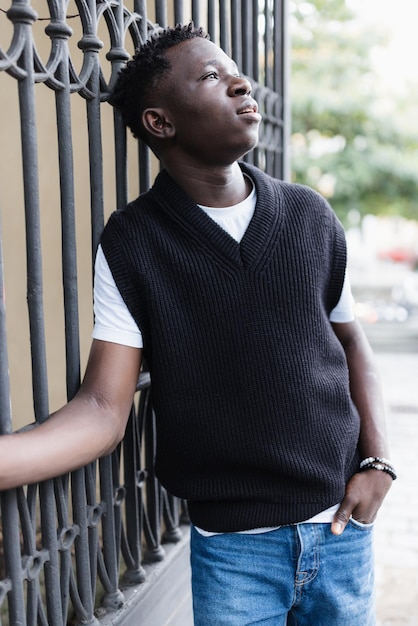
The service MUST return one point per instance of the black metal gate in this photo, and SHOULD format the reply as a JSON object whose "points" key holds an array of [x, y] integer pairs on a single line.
{"points": [[101, 545]]}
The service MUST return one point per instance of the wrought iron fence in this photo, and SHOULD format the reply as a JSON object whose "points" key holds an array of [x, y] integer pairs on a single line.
{"points": [[65, 542]]}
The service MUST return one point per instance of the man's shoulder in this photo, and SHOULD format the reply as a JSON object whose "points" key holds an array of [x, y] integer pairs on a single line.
{"points": [[289, 189], [294, 198], [129, 215]]}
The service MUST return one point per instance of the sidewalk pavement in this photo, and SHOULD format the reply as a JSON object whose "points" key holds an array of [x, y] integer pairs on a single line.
{"points": [[396, 540]]}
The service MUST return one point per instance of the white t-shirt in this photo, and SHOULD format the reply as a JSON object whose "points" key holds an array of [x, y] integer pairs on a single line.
{"points": [[114, 322]]}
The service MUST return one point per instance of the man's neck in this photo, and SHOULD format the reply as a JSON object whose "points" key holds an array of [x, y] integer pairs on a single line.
{"points": [[212, 186]]}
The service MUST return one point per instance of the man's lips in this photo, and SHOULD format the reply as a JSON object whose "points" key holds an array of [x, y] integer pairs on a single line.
{"points": [[249, 108]]}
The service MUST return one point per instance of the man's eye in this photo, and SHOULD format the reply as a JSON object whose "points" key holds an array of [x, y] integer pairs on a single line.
{"points": [[211, 75]]}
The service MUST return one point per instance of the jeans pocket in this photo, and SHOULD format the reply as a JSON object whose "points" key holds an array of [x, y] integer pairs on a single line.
{"points": [[360, 525]]}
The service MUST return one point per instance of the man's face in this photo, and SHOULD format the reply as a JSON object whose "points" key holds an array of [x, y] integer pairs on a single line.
{"points": [[215, 118]]}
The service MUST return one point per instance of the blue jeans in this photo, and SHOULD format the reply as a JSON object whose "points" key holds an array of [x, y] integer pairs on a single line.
{"points": [[300, 575]]}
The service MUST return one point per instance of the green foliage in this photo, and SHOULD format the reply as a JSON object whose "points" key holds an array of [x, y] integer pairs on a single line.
{"points": [[350, 141]]}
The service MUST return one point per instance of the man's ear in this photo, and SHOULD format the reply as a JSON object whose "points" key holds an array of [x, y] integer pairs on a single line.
{"points": [[157, 124]]}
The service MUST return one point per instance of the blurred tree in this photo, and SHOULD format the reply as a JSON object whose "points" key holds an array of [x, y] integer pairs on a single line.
{"points": [[353, 142]]}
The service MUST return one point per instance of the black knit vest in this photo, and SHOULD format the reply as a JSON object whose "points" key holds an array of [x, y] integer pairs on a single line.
{"points": [[255, 424]]}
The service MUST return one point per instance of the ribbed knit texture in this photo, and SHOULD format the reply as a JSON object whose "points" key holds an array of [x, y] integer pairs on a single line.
{"points": [[255, 425]]}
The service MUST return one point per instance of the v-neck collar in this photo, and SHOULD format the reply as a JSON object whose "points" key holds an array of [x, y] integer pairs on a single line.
{"points": [[257, 239]]}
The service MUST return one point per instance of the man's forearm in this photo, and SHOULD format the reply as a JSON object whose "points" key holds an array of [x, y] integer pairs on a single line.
{"points": [[366, 490], [74, 436], [366, 392]]}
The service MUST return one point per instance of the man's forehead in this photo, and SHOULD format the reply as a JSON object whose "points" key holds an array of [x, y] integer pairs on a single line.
{"points": [[205, 53], [221, 63]]}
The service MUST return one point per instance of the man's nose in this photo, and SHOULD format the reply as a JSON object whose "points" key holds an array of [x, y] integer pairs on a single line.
{"points": [[240, 86]]}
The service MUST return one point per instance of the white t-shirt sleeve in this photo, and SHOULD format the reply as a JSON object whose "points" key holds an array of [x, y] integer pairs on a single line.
{"points": [[112, 320], [344, 311]]}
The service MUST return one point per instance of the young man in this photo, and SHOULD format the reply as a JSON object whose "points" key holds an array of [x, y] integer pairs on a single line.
{"points": [[232, 285]]}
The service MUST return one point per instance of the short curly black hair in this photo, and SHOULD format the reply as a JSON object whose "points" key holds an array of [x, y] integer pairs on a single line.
{"points": [[141, 74]]}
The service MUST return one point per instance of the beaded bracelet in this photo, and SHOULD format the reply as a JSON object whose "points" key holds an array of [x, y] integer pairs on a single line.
{"points": [[375, 459], [378, 463]]}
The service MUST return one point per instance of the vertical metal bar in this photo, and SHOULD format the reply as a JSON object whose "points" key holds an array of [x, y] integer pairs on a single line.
{"points": [[49, 541], [95, 151], [267, 77], [255, 41], [82, 548], [225, 41], [154, 551], [29, 145], [236, 33], [282, 14], [196, 12], [247, 51], [277, 81], [161, 12], [65, 535], [178, 11], [212, 26], [5, 409], [171, 509], [247, 38], [145, 167], [93, 512], [68, 230], [134, 479], [113, 597], [8, 504], [118, 57], [144, 159], [279, 46], [140, 7], [120, 160], [12, 558], [270, 62]]}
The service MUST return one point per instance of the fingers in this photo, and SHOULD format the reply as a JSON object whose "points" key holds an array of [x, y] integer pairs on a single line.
{"points": [[354, 499], [340, 520], [363, 497]]}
